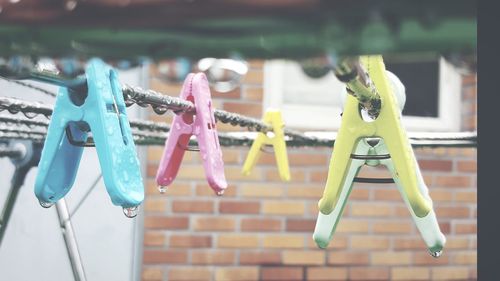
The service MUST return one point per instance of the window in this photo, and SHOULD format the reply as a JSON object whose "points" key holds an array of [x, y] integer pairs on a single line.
{"points": [[433, 93]]}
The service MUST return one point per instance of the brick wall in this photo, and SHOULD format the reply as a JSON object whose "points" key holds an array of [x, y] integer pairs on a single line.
{"points": [[261, 229]]}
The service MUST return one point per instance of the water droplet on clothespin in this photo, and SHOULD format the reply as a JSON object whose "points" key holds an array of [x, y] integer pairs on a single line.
{"points": [[110, 130], [162, 189], [131, 212], [177, 126], [70, 5], [436, 254], [204, 156], [45, 204]]}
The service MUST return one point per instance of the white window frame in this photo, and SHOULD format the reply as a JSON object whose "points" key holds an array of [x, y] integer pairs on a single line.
{"points": [[318, 117]]}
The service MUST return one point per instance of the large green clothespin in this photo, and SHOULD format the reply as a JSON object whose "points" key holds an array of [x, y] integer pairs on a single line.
{"points": [[352, 140], [276, 138]]}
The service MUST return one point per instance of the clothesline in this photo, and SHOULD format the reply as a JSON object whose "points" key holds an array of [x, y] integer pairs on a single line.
{"points": [[155, 133]]}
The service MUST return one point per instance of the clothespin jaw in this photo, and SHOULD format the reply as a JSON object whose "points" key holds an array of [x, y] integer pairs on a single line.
{"points": [[101, 110], [427, 226], [276, 138], [326, 224], [387, 126], [202, 125]]}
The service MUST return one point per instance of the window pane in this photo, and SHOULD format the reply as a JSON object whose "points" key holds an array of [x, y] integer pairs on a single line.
{"points": [[421, 80], [299, 89]]}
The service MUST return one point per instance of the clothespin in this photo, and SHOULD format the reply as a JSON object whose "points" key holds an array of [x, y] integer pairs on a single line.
{"points": [[354, 147], [276, 138], [100, 110], [200, 124]]}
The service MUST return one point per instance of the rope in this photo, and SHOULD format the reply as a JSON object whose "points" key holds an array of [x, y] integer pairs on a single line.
{"points": [[151, 133]]}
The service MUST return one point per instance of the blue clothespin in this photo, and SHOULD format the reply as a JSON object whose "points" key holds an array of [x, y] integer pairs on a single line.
{"points": [[100, 110]]}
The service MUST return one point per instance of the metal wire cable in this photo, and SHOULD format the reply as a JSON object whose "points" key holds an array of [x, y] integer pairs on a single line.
{"points": [[162, 103], [31, 86], [10, 152]]}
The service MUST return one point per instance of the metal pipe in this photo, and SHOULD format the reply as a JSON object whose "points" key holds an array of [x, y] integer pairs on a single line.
{"points": [[70, 240], [350, 71]]}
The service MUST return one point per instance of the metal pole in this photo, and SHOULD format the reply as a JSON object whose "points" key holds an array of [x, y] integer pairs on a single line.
{"points": [[359, 84], [24, 155], [70, 240]]}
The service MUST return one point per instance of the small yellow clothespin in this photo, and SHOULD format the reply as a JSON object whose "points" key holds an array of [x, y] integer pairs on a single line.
{"points": [[276, 138]]}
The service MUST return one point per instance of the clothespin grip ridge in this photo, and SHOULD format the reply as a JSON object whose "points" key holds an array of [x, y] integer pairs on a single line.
{"points": [[276, 138], [200, 124], [101, 111]]}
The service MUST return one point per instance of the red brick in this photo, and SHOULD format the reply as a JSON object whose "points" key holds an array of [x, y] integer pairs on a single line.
{"points": [[358, 193], [282, 273], [368, 273], [190, 241], [308, 159], [192, 206], [391, 258], [237, 241], [253, 77], [466, 196], [410, 273], [318, 176], [152, 274], [326, 273], [301, 225], [245, 108], [409, 243], [469, 257], [467, 166], [169, 256], [157, 222], [359, 209], [239, 207], [452, 212], [392, 227], [212, 257], [466, 228], [214, 224], [283, 241], [453, 181], [254, 93], [190, 274], [450, 273], [260, 224], [439, 195], [348, 258], [435, 165], [296, 257], [387, 194], [469, 79], [250, 258], [367, 242], [154, 238], [237, 274], [285, 208], [155, 205]]}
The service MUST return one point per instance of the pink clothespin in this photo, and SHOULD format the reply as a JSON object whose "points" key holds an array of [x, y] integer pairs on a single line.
{"points": [[202, 125]]}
